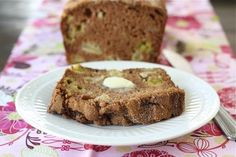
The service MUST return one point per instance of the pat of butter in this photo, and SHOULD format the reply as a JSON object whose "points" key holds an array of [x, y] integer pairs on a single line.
{"points": [[117, 82]]}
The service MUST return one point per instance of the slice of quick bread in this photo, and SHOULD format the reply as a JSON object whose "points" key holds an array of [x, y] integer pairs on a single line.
{"points": [[113, 29], [111, 97]]}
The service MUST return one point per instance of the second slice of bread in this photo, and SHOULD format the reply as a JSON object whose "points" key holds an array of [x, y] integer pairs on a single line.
{"points": [[82, 96]]}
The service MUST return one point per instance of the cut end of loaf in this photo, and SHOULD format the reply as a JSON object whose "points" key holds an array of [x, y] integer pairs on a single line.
{"points": [[113, 30]]}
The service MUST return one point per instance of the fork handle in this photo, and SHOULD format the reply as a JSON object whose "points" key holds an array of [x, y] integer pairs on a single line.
{"points": [[227, 123]]}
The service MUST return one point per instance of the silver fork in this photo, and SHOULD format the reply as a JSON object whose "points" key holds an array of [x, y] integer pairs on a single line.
{"points": [[222, 118]]}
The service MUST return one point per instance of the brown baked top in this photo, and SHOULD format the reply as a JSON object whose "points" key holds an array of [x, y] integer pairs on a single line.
{"points": [[72, 4]]}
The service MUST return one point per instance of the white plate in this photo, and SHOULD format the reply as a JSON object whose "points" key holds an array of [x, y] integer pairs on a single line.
{"points": [[201, 105]]}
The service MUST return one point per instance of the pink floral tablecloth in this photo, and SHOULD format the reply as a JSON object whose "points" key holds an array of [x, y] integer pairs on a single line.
{"points": [[192, 29]]}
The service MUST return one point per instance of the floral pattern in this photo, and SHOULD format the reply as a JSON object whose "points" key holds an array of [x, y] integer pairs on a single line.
{"points": [[96, 148], [186, 22], [192, 29], [199, 146], [228, 97], [39, 151], [19, 62], [10, 121], [210, 129], [148, 153]]}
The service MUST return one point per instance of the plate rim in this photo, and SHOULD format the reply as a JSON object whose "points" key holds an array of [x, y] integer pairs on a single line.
{"points": [[20, 91]]}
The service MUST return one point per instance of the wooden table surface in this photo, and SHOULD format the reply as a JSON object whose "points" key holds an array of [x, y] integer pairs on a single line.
{"points": [[14, 15]]}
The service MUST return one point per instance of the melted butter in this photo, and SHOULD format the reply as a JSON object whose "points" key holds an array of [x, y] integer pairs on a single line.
{"points": [[115, 82]]}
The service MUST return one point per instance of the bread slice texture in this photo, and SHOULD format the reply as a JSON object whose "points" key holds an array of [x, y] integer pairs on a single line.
{"points": [[82, 96], [113, 29]]}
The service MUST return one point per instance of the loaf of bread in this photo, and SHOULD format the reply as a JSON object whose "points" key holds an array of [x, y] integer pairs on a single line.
{"points": [[113, 29], [110, 97]]}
